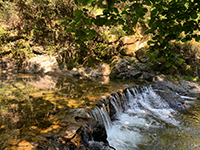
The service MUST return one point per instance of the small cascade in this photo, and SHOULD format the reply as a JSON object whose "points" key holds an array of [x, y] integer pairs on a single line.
{"points": [[102, 116], [116, 102], [137, 110]]}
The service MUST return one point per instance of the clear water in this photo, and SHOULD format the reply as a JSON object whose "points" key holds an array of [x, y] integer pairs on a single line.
{"points": [[29, 102], [26, 105], [149, 123]]}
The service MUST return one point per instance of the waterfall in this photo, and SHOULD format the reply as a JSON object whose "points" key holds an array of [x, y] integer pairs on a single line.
{"points": [[101, 115], [137, 111], [115, 101]]}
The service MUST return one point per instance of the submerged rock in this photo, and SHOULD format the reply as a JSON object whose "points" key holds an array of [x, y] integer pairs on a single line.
{"points": [[172, 98]]}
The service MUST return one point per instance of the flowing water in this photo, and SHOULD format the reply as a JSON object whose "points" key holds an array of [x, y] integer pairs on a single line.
{"points": [[144, 121], [147, 122], [29, 102]]}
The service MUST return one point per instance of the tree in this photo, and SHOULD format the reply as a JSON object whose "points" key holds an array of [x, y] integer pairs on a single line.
{"points": [[167, 20]]}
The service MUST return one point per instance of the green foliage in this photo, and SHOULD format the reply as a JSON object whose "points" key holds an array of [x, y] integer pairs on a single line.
{"points": [[118, 31], [166, 20]]}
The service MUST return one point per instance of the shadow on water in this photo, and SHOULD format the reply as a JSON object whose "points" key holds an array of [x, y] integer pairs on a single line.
{"points": [[29, 106], [27, 103]]}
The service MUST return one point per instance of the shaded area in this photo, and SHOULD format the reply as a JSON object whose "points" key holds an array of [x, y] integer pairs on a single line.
{"points": [[28, 112]]}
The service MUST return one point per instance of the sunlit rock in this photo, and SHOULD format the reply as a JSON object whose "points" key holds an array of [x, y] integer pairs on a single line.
{"points": [[40, 64], [104, 69], [26, 145], [94, 74]]}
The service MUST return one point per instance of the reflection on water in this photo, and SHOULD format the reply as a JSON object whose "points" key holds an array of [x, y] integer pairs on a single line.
{"points": [[184, 137], [27, 104]]}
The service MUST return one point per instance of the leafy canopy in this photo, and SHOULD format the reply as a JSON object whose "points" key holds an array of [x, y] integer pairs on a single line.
{"points": [[167, 20]]}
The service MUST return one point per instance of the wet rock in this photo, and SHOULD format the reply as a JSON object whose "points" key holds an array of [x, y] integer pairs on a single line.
{"points": [[99, 132], [158, 78], [143, 67], [97, 146], [193, 88], [64, 123], [70, 133], [175, 87], [131, 45], [93, 132], [174, 100], [147, 76], [81, 112], [81, 147]]}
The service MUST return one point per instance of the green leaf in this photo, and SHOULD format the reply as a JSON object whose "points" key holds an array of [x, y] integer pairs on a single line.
{"points": [[150, 31], [77, 13], [72, 24], [81, 1], [194, 15], [110, 3], [134, 21], [148, 54], [153, 13], [147, 2], [150, 42], [180, 60], [125, 28], [154, 59], [121, 21], [79, 24], [116, 10], [68, 30], [64, 23], [108, 23], [174, 67], [99, 21], [78, 41], [126, 7], [168, 64], [85, 2], [88, 21], [91, 34], [197, 39], [85, 9], [68, 18]]}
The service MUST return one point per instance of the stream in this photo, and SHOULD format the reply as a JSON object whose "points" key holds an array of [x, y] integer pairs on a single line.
{"points": [[144, 121]]}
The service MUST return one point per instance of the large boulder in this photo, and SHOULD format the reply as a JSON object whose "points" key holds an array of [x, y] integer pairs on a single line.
{"points": [[40, 64], [125, 70]]}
